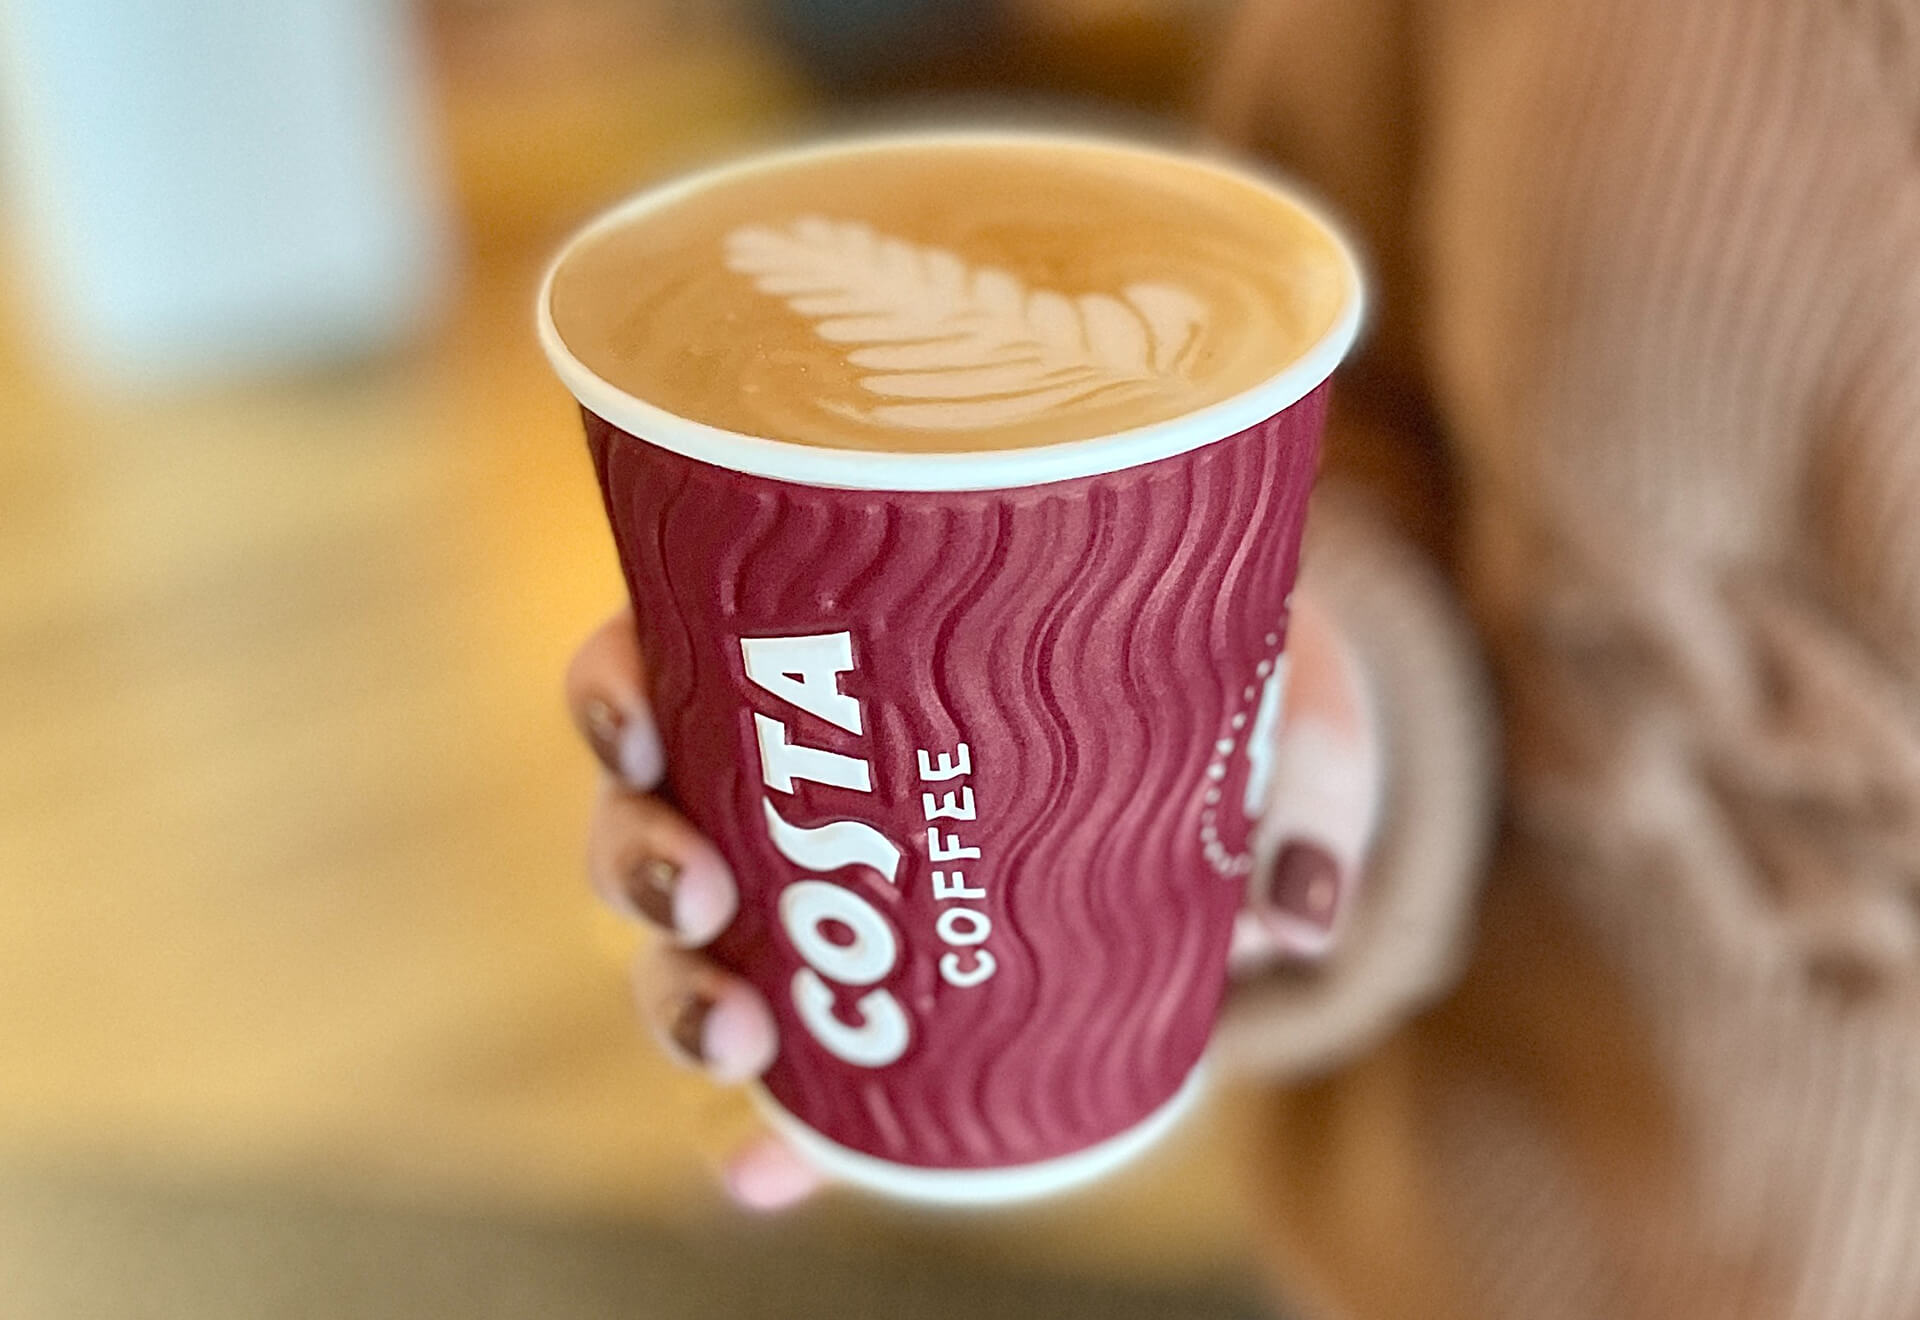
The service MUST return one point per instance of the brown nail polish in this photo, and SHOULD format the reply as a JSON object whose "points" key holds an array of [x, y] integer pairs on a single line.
{"points": [[601, 723], [687, 1027], [650, 886], [1306, 884]]}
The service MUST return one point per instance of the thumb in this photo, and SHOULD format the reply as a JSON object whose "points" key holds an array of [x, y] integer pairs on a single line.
{"points": [[767, 1175], [1323, 803]]}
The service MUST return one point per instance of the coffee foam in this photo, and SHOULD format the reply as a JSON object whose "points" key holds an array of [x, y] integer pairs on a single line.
{"points": [[951, 295]]}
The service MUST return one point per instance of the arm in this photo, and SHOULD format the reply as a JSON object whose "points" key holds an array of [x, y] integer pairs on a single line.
{"points": [[1405, 934]]}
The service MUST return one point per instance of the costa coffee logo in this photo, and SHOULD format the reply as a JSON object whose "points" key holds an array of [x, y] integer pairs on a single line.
{"points": [[845, 942]]}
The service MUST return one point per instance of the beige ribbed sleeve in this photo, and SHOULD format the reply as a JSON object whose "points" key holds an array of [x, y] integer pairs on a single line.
{"points": [[1406, 933], [1668, 256]]}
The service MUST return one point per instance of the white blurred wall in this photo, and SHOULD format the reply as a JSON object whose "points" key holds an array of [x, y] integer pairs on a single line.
{"points": [[205, 188]]}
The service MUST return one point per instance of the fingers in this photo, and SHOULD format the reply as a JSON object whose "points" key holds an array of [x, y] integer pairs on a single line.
{"points": [[607, 695], [704, 1017], [766, 1174], [709, 1019], [645, 861], [1325, 796]]}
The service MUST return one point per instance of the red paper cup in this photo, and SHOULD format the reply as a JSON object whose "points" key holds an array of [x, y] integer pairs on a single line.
{"points": [[980, 735]]}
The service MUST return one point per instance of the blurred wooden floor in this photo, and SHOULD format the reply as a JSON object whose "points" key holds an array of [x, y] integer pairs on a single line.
{"points": [[290, 817]]}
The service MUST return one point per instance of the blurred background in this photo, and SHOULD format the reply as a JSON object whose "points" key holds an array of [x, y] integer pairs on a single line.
{"points": [[304, 1009]]}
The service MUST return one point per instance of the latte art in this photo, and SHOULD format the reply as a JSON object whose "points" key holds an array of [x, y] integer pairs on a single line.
{"points": [[950, 294], [962, 347]]}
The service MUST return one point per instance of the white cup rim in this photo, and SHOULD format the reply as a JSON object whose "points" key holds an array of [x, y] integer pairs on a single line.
{"points": [[995, 469]]}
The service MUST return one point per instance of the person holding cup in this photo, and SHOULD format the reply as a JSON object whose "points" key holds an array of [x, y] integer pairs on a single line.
{"points": [[961, 538]]}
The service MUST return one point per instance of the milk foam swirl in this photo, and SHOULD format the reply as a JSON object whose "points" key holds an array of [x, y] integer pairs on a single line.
{"points": [[965, 347]]}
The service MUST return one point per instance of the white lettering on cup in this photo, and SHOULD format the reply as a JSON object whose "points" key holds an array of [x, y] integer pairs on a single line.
{"points": [[962, 929], [978, 927], [827, 848], [808, 905], [953, 884], [845, 942], [947, 768], [954, 973], [782, 762], [805, 672], [878, 1039], [950, 806], [950, 850]]}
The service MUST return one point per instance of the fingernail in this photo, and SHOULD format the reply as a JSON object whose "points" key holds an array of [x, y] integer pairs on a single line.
{"points": [[602, 727], [626, 742], [738, 1035], [1306, 885], [704, 897], [650, 887], [687, 1027], [729, 1034], [693, 898]]}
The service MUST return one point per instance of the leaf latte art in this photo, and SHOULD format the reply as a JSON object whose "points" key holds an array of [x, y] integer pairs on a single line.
{"points": [[956, 346]]}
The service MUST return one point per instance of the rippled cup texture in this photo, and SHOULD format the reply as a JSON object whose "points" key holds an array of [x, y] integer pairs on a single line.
{"points": [[981, 762]]}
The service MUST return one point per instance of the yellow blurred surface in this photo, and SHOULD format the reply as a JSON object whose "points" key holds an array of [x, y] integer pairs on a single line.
{"points": [[290, 815]]}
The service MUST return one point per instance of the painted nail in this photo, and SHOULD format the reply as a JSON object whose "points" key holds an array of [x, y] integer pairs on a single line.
{"points": [[601, 723], [687, 1027], [720, 1026], [1306, 885], [626, 742], [650, 887]]}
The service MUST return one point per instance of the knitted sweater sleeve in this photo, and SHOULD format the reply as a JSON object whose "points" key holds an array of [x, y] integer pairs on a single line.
{"points": [[1406, 935]]}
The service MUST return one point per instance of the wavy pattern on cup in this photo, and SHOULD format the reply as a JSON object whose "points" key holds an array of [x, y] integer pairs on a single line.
{"points": [[1092, 642]]}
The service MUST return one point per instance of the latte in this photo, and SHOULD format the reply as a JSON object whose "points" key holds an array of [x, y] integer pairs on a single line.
{"points": [[950, 294]]}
